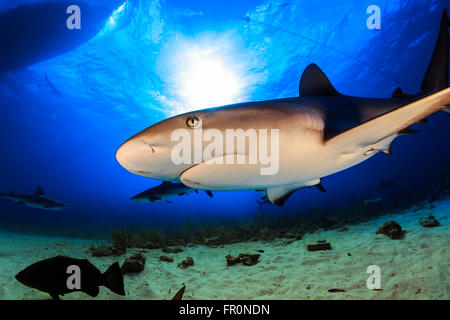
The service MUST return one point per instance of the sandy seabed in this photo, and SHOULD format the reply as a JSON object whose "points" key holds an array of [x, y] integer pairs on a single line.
{"points": [[416, 267]]}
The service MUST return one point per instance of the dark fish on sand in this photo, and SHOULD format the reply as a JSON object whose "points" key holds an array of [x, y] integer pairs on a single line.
{"points": [[60, 275]]}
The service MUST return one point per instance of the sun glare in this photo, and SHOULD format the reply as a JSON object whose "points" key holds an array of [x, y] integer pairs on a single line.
{"points": [[208, 82]]}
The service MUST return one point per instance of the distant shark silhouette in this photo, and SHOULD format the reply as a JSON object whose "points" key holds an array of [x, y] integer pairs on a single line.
{"points": [[321, 132], [386, 184], [37, 200], [164, 192]]}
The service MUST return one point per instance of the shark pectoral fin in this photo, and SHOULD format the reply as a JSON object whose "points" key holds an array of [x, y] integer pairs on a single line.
{"points": [[377, 134], [222, 173], [279, 195]]}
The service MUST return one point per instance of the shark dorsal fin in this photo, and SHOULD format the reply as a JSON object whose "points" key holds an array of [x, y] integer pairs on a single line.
{"points": [[315, 83], [39, 191]]}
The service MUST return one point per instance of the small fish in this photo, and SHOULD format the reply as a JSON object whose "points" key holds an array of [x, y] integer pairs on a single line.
{"points": [[386, 184], [52, 276], [336, 290], [206, 240], [260, 251], [366, 202], [179, 294]]}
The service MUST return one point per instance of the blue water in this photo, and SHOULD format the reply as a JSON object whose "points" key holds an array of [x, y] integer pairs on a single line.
{"points": [[63, 118]]}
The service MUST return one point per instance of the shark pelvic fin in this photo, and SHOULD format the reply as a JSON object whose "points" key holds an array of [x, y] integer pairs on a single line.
{"points": [[39, 191], [279, 195], [320, 186], [315, 83]]}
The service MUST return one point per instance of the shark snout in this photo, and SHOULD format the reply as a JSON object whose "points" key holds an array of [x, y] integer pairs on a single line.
{"points": [[135, 155]]}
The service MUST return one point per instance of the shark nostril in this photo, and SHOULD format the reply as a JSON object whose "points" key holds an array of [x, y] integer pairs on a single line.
{"points": [[151, 147]]}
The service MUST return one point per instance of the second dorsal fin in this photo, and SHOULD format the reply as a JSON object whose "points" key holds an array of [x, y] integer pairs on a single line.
{"points": [[39, 192], [315, 83]]}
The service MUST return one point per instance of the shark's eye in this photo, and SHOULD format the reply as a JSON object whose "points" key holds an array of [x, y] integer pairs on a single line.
{"points": [[192, 122]]}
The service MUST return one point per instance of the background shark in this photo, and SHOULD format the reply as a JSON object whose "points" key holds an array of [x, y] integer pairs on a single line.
{"points": [[37, 200], [387, 183], [321, 132], [164, 192]]}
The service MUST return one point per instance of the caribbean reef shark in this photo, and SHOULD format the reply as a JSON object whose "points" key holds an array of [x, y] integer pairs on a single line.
{"points": [[320, 132], [37, 200], [164, 192], [386, 184]]}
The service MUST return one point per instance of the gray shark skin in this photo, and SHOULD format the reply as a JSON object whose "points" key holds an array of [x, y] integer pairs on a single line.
{"points": [[37, 200], [321, 132], [164, 192], [386, 184]]}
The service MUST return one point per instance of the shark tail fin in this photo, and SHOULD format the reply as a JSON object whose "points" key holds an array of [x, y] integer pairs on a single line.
{"points": [[113, 279], [436, 76], [378, 132], [39, 191]]}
